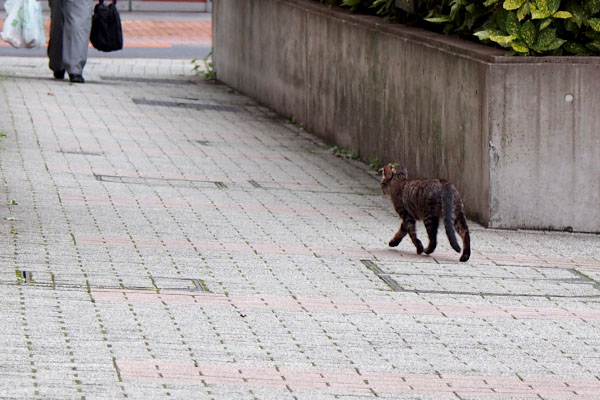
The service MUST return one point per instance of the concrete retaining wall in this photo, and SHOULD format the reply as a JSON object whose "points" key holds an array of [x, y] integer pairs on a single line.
{"points": [[520, 137]]}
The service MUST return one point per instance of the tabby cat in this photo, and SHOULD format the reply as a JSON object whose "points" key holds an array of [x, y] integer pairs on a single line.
{"points": [[427, 200]]}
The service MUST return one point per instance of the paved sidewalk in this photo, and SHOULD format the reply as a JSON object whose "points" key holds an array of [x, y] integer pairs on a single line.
{"points": [[167, 237]]}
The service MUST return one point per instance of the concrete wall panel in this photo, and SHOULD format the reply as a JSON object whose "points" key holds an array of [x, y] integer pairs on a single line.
{"points": [[546, 134], [263, 42], [498, 127]]}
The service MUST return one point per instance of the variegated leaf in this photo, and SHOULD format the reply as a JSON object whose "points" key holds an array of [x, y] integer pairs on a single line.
{"points": [[523, 11], [594, 23], [502, 39], [512, 4], [545, 38], [552, 6], [490, 3], [487, 34], [529, 33], [539, 9], [562, 15], [512, 24], [544, 24], [519, 46], [439, 20]]}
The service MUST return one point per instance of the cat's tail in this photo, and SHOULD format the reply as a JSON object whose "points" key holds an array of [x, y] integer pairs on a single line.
{"points": [[447, 203]]}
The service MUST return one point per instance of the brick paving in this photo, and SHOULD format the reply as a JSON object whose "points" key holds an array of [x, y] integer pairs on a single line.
{"points": [[167, 237]]}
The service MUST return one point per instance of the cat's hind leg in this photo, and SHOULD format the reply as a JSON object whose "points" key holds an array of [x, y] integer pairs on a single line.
{"points": [[410, 227], [460, 224], [398, 236], [431, 224]]}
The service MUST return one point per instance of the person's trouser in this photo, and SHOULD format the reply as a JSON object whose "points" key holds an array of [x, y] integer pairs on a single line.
{"points": [[70, 25]]}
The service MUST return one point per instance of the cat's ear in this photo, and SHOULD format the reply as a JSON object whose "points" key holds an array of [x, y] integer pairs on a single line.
{"points": [[387, 172], [403, 172]]}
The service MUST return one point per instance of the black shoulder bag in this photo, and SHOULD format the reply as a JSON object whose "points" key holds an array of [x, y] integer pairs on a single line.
{"points": [[106, 34]]}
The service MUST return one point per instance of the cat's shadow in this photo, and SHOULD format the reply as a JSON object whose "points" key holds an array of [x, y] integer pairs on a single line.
{"points": [[405, 255]]}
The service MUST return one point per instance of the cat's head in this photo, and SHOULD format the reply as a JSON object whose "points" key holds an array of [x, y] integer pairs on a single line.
{"points": [[389, 175]]}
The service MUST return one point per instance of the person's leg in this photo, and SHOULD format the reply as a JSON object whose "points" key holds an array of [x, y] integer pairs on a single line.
{"points": [[55, 43], [77, 26]]}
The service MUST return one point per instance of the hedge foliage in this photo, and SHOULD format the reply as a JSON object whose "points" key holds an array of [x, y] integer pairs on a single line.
{"points": [[524, 27]]}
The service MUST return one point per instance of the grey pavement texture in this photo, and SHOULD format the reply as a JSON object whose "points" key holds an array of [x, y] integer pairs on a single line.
{"points": [[167, 237]]}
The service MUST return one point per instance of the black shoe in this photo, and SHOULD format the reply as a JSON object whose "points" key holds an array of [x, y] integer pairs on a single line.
{"points": [[75, 78], [59, 74]]}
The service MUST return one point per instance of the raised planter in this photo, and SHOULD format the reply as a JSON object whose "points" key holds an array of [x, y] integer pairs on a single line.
{"points": [[519, 136]]}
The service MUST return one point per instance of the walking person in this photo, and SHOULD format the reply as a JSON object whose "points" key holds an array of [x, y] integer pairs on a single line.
{"points": [[70, 25]]}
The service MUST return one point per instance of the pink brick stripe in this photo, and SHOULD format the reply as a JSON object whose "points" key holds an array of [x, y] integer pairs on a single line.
{"points": [[176, 151], [377, 254], [174, 298], [354, 382], [130, 174], [204, 205], [240, 247]]}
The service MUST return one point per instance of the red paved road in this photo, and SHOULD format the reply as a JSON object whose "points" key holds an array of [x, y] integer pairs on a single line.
{"points": [[158, 30]]}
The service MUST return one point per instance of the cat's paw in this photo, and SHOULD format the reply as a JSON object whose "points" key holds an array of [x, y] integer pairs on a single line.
{"points": [[430, 249], [465, 257], [419, 248], [394, 243]]}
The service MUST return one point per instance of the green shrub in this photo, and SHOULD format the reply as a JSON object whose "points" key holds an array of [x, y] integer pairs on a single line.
{"points": [[524, 27]]}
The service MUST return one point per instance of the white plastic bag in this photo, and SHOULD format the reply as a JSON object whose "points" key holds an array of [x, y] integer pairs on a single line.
{"points": [[33, 24], [24, 26], [12, 31]]}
